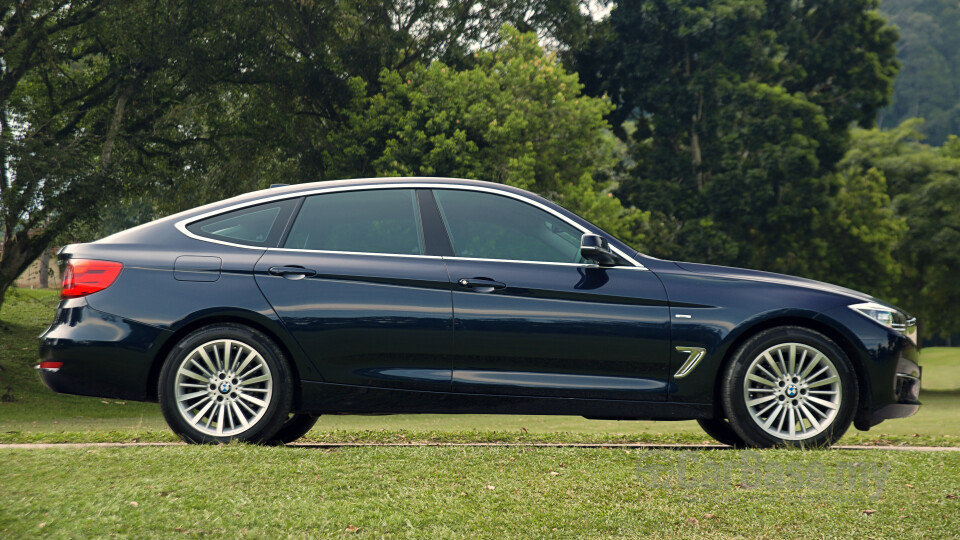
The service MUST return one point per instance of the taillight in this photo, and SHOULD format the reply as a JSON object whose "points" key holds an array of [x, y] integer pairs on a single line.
{"points": [[84, 276]]}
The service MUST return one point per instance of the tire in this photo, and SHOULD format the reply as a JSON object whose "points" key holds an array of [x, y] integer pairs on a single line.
{"points": [[209, 396], [295, 427], [789, 386], [720, 430]]}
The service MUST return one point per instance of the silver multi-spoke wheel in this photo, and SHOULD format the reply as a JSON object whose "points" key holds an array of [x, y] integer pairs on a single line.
{"points": [[223, 387], [793, 391]]}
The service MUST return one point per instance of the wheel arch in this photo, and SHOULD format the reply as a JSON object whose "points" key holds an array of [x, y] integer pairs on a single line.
{"points": [[835, 335], [248, 320]]}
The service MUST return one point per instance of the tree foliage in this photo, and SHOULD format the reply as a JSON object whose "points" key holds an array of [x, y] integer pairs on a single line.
{"points": [[928, 85], [306, 66], [150, 106], [84, 87], [742, 110], [925, 182], [515, 117]]}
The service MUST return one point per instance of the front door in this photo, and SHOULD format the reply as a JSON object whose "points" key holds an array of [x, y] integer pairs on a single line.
{"points": [[533, 318]]}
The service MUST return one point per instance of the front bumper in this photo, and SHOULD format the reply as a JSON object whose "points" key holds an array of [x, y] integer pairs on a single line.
{"points": [[100, 354]]}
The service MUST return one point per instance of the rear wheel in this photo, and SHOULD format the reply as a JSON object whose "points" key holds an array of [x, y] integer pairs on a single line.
{"points": [[789, 386], [223, 383]]}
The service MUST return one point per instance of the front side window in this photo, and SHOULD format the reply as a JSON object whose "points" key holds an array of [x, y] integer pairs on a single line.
{"points": [[487, 226], [371, 221], [258, 225]]}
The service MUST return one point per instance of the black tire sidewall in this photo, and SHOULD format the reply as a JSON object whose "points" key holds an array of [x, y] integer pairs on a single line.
{"points": [[721, 430], [278, 408], [295, 427], [734, 378]]}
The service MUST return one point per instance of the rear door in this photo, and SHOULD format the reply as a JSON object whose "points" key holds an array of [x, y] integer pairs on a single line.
{"points": [[533, 318], [354, 286]]}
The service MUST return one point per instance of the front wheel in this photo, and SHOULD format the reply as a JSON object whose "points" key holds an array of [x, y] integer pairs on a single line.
{"points": [[224, 383], [720, 430], [789, 386]]}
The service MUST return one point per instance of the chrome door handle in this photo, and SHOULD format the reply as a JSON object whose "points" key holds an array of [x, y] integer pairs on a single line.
{"points": [[292, 271], [481, 284]]}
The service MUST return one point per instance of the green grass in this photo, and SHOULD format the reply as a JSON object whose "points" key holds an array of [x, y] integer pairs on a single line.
{"points": [[242, 491], [25, 402], [941, 368], [38, 415]]}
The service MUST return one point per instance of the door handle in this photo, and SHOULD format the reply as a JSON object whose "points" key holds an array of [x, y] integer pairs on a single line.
{"points": [[481, 284], [292, 271]]}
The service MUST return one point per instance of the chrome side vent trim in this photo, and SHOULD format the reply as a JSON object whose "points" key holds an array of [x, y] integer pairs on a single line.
{"points": [[695, 355]]}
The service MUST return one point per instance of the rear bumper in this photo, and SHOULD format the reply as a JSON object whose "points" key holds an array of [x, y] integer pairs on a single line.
{"points": [[101, 354]]}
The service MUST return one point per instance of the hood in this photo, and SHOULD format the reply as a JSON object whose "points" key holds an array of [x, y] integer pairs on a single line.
{"points": [[770, 277]]}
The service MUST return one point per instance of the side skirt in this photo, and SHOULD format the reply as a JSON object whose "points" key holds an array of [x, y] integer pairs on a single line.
{"points": [[330, 398]]}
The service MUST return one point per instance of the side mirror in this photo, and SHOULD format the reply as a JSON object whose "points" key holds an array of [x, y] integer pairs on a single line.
{"points": [[595, 248]]}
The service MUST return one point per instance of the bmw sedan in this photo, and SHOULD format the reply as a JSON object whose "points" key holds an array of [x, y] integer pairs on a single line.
{"points": [[248, 318]]}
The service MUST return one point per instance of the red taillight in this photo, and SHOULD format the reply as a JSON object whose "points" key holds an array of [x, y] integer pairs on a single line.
{"points": [[84, 276], [48, 365]]}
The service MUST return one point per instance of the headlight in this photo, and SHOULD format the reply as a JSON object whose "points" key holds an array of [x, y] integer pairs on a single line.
{"points": [[880, 313], [887, 316]]}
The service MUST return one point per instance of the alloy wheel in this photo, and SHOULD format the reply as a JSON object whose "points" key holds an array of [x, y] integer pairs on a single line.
{"points": [[793, 391], [223, 387]]}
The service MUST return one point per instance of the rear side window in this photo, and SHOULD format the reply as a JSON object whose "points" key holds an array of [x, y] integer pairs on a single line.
{"points": [[371, 221], [259, 225]]}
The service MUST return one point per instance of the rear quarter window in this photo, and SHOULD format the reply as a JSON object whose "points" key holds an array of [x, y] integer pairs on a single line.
{"points": [[260, 225]]}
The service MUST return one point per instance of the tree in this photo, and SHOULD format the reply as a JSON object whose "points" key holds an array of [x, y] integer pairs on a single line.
{"points": [[858, 236], [515, 117], [300, 76], [82, 84], [929, 82], [925, 182], [742, 110], [157, 105]]}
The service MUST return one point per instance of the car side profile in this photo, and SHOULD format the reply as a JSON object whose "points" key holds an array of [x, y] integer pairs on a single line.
{"points": [[248, 318]]}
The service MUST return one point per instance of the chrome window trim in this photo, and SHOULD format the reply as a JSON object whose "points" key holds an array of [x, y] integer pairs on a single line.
{"points": [[579, 265], [182, 224], [365, 253]]}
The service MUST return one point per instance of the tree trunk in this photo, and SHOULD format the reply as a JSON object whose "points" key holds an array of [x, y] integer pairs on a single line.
{"points": [[45, 269]]}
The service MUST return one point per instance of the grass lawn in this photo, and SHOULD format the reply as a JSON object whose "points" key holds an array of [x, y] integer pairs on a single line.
{"points": [[242, 491]]}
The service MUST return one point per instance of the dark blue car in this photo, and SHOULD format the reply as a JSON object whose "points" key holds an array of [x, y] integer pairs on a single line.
{"points": [[248, 318]]}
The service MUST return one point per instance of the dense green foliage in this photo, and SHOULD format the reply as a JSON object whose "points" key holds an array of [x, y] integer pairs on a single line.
{"points": [[515, 117], [83, 84], [925, 183], [120, 110], [928, 85], [742, 109]]}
